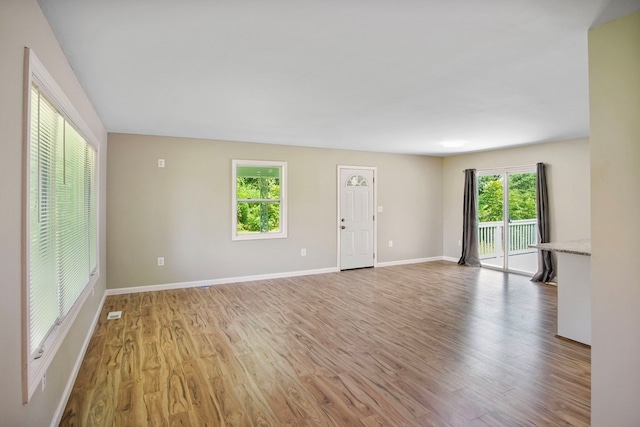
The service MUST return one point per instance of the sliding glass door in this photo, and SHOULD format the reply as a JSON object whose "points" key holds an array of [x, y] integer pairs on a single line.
{"points": [[507, 222]]}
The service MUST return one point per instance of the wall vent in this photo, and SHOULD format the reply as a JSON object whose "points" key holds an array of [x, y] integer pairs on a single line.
{"points": [[114, 315]]}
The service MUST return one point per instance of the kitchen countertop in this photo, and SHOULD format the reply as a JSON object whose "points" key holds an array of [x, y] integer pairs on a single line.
{"points": [[579, 247]]}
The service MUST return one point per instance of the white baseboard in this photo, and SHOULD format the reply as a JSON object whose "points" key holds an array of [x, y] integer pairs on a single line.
{"points": [[239, 279], [408, 261], [213, 282], [450, 258], [62, 403]]}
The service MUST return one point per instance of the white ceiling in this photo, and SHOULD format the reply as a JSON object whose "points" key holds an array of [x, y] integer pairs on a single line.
{"points": [[392, 76]]}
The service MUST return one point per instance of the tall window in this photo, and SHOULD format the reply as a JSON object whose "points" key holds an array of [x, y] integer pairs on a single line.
{"points": [[507, 222], [61, 227], [259, 200]]}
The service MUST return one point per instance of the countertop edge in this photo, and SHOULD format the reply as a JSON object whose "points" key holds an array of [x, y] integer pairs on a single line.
{"points": [[577, 247]]}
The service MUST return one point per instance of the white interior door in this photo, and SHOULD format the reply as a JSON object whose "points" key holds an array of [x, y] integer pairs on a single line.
{"points": [[356, 218]]}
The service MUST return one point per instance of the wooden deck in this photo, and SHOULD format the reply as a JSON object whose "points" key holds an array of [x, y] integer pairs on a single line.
{"points": [[416, 345]]}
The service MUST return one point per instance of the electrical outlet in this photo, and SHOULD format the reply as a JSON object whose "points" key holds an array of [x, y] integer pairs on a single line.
{"points": [[459, 242], [390, 243], [303, 252], [160, 163], [160, 261]]}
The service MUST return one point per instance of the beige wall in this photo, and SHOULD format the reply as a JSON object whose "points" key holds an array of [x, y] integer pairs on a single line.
{"points": [[183, 212], [23, 24], [567, 180], [614, 80]]}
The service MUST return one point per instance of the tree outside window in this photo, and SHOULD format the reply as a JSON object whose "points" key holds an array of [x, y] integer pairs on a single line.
{"points": [[259, 205]]}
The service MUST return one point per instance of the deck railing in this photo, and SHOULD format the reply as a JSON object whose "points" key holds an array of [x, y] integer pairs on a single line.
{"points": [[522, 233]]}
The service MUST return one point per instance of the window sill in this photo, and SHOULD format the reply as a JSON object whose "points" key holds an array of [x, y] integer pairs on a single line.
{"points": [[259, 236]]}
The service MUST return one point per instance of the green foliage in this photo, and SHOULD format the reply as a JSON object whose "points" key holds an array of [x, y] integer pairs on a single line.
{"points": [[263, 215], [489, 198], [258, 188], [522, 197]]}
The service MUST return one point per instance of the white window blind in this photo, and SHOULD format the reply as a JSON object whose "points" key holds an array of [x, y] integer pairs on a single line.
{"points": [[62, 219]]}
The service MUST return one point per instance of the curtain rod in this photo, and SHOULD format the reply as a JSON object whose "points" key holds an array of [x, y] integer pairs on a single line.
{"points": [[504, 168]]}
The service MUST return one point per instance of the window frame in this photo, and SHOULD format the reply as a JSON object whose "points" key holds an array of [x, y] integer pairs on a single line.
{"points": [[34, 369], [504, 173], [282, 234]]}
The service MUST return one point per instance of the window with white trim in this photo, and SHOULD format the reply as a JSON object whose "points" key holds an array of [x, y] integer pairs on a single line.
{"points": [[61, 222], [259, 206]]}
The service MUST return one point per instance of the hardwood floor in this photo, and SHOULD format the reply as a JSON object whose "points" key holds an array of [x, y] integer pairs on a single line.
{"points": [[416, 345]]}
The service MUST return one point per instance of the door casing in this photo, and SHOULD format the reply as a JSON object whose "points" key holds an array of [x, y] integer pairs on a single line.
{"points": [[504, 172], [340, 168]]}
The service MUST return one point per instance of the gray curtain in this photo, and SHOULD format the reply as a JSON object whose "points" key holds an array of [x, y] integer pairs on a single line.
{"points": [[546, 259], [470, 254]]}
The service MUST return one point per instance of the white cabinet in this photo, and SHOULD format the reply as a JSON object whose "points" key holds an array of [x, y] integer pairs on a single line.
{"points": [[574, 297]]}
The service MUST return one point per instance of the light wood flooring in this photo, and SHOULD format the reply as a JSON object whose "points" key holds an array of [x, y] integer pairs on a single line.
{"points": [[429, 344]]}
